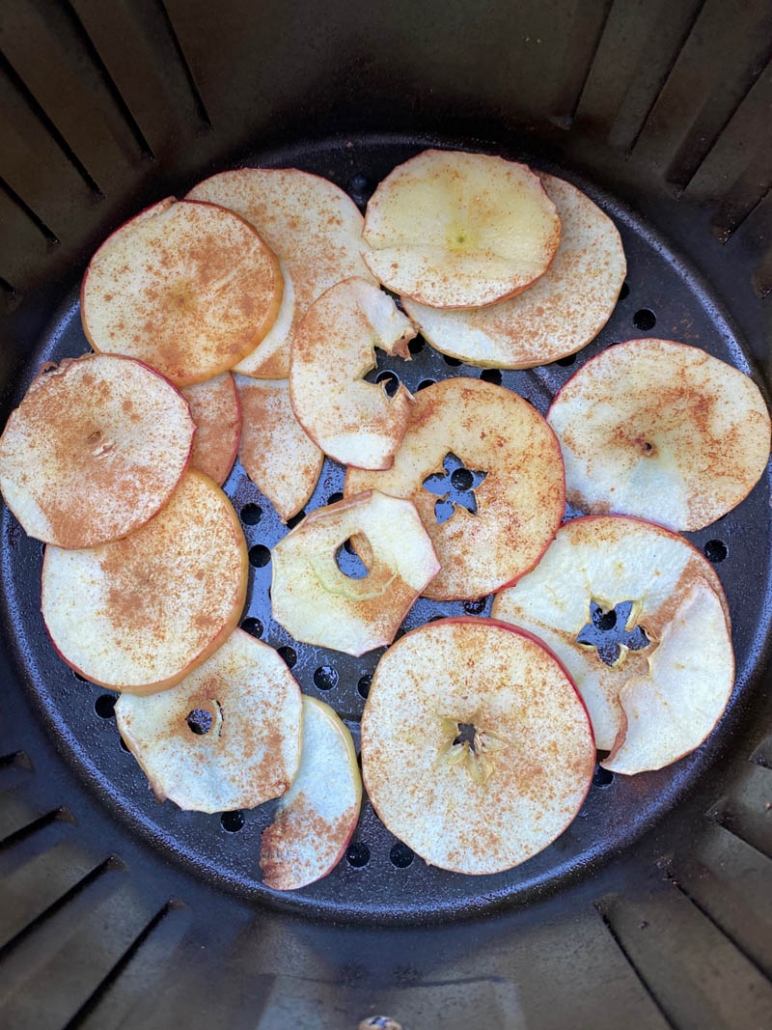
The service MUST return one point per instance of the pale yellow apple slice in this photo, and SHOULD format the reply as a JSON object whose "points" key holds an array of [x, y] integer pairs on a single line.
{"points": [[319, 604], [317, 816], [314, 228], [554, 317], [277, 454], [458, 230], [215, 408], [227, 737], [476, 748], [354, 422], [189, 288], [661, 430], [95, 449], [519, 503], [653, 596], [140, 613]]}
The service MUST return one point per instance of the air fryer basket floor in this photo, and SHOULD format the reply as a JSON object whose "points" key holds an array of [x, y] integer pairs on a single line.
{"points": [[379, 880]]}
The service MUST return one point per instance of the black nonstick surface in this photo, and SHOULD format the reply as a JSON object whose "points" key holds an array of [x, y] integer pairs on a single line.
{"points": [[379, 878]]}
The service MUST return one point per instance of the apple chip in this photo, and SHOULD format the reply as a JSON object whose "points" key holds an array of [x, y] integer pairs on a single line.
{"points": [[215, 408]]}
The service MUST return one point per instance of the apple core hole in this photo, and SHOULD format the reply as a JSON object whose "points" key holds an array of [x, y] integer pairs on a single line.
{"points": [[232, 822], [104, 706], [644, 320], [253, 626], [716, 551], [491, 375], [199, 721], [251, 514], [607, 632], [401, 856], [357, 855], [454, 487], [466, 735], [259, 556], [349, 562], [325, 677]]}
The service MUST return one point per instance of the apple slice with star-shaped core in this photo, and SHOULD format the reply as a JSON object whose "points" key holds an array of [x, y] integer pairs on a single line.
{"points": [[477, 751], [484, 470], [278, 455], [638, 617], [317, 816], [556, 316], [354, 422], [215, 408], [314, 228], [95, 449], [140, 613], [227, 737], [458, 230], [189, 288], [319, 604], [663, 431]]}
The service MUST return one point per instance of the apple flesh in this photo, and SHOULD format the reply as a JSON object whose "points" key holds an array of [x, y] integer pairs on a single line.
{"points": [[227, 737], [317, 816], [216, 411]]}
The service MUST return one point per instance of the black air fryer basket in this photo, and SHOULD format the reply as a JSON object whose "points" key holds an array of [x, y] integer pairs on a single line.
{"points": [[654, 909]]}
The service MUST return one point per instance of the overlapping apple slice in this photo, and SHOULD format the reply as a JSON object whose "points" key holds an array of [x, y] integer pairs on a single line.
{"points": [[189, 288], [319, 604], [278, 455], [458, 230], [317, 816], [556, 316], [215, 408], [227, 737], [314, 228], [355, 422], [639, 619], [476, 748], [484, 471], [661, 430], [140, 613], [94, 450]]}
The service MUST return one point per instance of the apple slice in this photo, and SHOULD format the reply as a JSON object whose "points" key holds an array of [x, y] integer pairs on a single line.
{"points": [[140, 613], [189, 288], [661, 430], [318, 604], [458, 230], [314, 228], [483, 469], [277, 454], [317, 816], [95, 449], [215, 408], [227, 737], [639, 619], [558, 314], [476, 748], [354, 422]]}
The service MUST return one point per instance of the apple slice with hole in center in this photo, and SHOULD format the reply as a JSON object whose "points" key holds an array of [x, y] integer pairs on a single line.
{"points": [[556, 316], [140, 613], [187, 287], [457, 230], [663, 431], [226, 737], [317, 816], [95, 450], [477, 751], [484, 471], [639, 619], [215, 408], [313, 227], [319, 604], [354, 422]]}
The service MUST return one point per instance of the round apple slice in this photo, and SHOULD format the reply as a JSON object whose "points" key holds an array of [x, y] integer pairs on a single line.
{"points": [[663, 431], [559, 314], [215, 408], [314, 228], [317, 816], [189, 288], [457, 230], [476, 748], [319, 604], [484, 470], [95, 449], [227, 737], [140, 613], [639, 619], [354, 422]]}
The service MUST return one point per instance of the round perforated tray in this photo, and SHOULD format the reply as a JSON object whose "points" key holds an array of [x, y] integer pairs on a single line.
{"points": [[379, 878]]}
